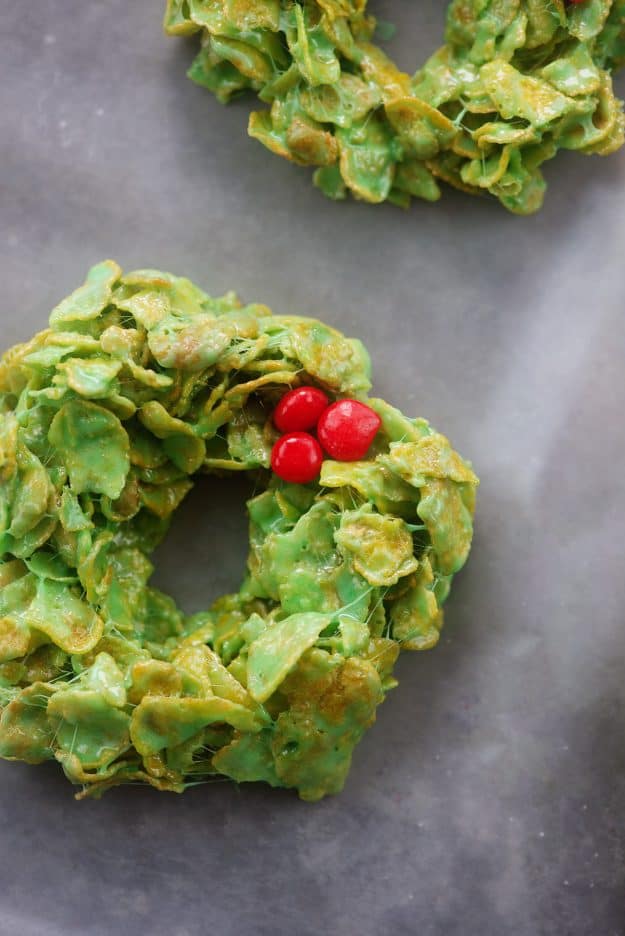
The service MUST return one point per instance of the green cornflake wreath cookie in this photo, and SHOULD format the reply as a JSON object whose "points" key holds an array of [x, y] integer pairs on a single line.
{"points": [[516, 81], [140, 384]]}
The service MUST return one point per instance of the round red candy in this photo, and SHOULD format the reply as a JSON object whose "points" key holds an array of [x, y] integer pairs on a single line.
{"points": [[297, 458], [347, 428], [300, 409]]}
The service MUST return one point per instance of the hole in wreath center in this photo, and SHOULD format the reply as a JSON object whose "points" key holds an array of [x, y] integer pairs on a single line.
{"points": [[414, 30], [205, 551]]}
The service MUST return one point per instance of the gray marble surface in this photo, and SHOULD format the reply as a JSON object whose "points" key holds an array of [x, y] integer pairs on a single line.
{"points": [[489, 798]]}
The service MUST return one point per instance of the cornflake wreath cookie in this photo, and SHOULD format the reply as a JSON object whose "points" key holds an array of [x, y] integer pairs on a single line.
{"points": [[141, 384], [516, 81]]}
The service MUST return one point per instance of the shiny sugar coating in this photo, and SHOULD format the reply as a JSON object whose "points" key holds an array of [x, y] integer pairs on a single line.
{"points": [[346, 430], [297, 458], [300, 409]]}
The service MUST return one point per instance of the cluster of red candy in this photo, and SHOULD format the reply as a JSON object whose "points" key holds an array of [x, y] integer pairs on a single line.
{"points": [[344, 431]]}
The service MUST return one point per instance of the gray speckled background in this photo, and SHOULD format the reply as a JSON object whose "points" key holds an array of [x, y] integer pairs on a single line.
{"points": [[489, 798]]}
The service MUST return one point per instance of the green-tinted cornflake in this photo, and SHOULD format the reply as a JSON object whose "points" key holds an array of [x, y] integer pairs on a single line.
{"points": [[88, 726], [142, 385], [430, 457], [26, 733], [105, 676], [332, 701], [94, 447], [506, 91], [64, 617], [298, 567], [248, 757], [380, 547], [275, 652], [90, 378], [32, 490], [342, 364], [416, 616], [162, 722], [88, 301], [448, 521], [371, 481]]}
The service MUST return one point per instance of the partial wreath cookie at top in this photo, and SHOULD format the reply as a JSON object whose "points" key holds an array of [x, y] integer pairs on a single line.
{"points": [[141, 384], [516, 81]]}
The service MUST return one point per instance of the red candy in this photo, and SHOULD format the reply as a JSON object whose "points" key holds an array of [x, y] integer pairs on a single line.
{"points": [[297, 458], [300, 409], [347, 428]]}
